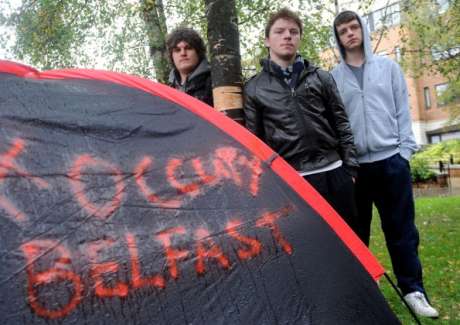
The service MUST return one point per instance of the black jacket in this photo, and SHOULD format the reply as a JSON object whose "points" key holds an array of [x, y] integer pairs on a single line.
{"points": [[307, 125], [198, 83]]}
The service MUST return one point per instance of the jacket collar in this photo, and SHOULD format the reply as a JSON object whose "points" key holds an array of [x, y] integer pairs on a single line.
{"points": [[202, 68], [274, 69]]}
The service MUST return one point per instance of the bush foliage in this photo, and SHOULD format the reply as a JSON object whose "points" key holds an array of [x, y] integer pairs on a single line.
{"points": [[421, 171], [441, 151], [430, 157]]}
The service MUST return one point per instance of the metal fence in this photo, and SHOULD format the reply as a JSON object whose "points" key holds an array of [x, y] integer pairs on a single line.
{"points": [[447, 177]]}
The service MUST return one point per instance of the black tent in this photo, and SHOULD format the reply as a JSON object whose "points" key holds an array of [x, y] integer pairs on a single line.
{"points": [[123, 201]]}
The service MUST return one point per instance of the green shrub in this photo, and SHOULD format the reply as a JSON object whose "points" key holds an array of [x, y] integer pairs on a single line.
{"points": [[432, 154], [441, 151], [420, 170]]}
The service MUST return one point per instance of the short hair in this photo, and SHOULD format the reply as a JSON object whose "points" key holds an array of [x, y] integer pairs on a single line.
{"points": [[283, 13], [188, 35], [345, 17]]}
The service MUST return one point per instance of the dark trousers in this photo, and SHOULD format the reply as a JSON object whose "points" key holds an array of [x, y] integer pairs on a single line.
{"points": [[387, 184], [337, 187]]}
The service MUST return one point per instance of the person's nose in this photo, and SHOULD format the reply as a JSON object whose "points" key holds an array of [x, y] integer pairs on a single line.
{"points": [[287, 35]]}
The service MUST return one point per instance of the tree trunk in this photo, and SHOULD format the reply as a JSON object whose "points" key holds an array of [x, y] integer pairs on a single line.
{"points": [[155, 22], [223, 38]]}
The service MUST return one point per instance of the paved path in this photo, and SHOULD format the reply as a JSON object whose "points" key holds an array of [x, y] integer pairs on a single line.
{"points": [[452, 189]]}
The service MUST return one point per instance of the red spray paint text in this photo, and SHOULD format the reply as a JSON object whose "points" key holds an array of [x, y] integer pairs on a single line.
{"points": [[202, 251], [186, 178]]}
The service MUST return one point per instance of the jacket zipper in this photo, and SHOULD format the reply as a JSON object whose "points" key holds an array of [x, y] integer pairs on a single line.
{"points": [[365, 113], [296, 103]]}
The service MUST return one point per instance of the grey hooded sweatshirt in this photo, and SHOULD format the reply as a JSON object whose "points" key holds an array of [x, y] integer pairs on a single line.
{"points": [[379, 113]]}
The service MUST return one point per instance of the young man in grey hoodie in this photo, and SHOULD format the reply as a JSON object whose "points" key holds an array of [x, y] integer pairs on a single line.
{"points": [[374, 92]]}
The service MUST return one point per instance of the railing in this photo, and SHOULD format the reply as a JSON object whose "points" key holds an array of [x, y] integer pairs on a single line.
{"points": [[445, 170]]}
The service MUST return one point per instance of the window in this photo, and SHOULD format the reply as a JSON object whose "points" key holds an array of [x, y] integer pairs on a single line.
{"points": [[426, 95], [440, 90], [388, 16], [398, 54], [435, 138], [451, 135]]}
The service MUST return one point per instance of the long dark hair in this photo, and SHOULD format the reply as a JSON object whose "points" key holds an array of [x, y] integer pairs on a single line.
{"points": [[188, 35]]}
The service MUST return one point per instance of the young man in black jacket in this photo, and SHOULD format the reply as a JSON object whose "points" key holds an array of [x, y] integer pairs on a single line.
{"points": [[191, 72], [296, 109]]}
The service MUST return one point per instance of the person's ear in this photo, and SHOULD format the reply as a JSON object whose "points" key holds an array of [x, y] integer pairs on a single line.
{"points": [[266, 43]]}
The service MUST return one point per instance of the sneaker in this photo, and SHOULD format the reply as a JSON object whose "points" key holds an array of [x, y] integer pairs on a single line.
{"points": [[419, 305]]}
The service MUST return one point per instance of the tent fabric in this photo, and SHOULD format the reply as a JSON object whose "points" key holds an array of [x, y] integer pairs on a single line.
{"points": [[123, 200]]}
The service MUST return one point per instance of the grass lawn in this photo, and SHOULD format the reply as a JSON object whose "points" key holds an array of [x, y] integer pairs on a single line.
{"points": [[438, 222]]}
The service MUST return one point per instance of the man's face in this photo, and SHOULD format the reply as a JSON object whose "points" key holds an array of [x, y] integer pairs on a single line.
{"points": [[350, 35], [185, 58], [283, 40]]}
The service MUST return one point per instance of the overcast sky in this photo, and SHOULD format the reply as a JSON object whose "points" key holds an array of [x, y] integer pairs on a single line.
{"points": [[5, 7]]}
